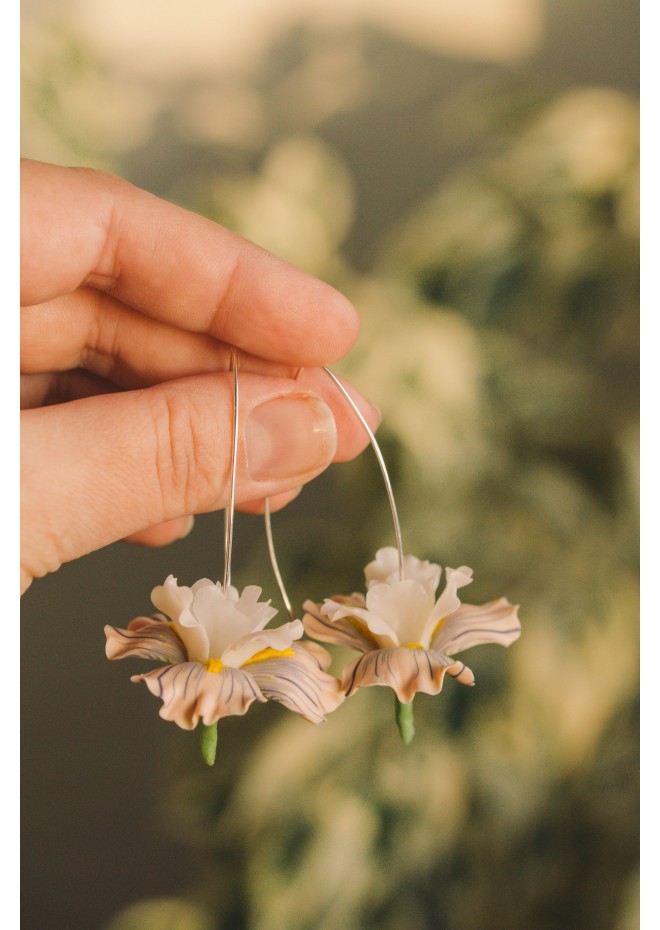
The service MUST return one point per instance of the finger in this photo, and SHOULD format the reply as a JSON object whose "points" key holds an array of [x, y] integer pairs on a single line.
{"points": [[121, 346], [173, 530], [103, 468], [85, 227], [88, 329], [277, 502], [59, 387], [164, 533]]}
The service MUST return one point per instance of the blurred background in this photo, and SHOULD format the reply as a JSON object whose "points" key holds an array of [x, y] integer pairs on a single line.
{"points": [[467, 172]]}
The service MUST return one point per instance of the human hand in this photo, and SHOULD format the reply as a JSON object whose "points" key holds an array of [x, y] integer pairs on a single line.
{"points": [[130, 306]]}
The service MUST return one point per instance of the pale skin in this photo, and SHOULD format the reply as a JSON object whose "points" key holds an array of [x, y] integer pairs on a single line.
{"points": [[129, 307]]}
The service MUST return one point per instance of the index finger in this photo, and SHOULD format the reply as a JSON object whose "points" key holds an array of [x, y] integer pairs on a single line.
{"points": [[81, 226]]}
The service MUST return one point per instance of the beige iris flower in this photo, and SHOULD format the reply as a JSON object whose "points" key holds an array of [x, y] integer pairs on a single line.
{"points": [[220, 658], [405, 635]]}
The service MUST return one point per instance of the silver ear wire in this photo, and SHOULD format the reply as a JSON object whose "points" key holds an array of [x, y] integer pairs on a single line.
{"points": [[388, 488], [229, 511], [273, 560], [381, 462]]}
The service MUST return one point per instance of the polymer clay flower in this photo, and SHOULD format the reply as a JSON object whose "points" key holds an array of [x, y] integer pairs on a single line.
{"points": [[405, 635], [220, 657]]}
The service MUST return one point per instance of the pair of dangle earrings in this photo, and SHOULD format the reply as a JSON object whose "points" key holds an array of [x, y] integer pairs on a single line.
{"points": [[219, 654]]}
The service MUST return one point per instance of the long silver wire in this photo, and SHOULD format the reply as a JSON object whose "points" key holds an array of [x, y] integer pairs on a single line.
{"points": [[229, 511], [388, 488], [383, 467], [273, 560]]}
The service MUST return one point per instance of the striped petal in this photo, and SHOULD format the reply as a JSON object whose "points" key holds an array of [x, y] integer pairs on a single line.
{"points": [[300, 682], [190, 693], [495, 622], [145, 638], [406, 671], [346, 631]]}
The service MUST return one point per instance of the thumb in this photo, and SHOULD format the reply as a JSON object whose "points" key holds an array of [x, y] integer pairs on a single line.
{"points": [[102, 468]]}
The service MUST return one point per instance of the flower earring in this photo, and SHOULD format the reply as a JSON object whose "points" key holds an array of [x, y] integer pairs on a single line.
{"points": [[407, 638], [218, 655]]}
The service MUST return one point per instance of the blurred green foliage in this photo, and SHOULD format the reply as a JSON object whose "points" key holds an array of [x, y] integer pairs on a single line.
{"points": [[500, 339]]}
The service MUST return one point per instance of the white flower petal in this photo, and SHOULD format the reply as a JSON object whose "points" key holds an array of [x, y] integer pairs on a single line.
{"points": [[448, 601], [207, 619], [260, 611], [176, 602], [190, 693], [401, 607], [299, 682], [406, 671], [171, 598], [216, 611], [346, 631], [230, 618], [206, 583], [381, 632], [279, 638], [385, 569], [145, 638], [495, 622]]}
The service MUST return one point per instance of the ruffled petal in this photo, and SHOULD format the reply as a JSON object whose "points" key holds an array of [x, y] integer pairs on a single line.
{"points": [[190, 693], [172, 598], [229, 617], [495, 622], [260, 612], [385, 568], [320, 655], [448, 601], [345, 631], [145, 638], [406, 671], [375, 626], [176, 601], [299, 682], [216, 611], [278, 638], [206, 583]]}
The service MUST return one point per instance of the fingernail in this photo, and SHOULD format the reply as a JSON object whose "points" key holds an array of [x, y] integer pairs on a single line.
{"points": [[188, 527], [289, 436]]}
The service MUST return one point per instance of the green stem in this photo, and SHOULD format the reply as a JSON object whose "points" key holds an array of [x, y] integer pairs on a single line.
{"points": [[405, 720], [208, 742]]}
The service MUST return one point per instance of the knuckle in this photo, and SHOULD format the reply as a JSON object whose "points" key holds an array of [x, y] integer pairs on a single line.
{"points": [[186, 472]]}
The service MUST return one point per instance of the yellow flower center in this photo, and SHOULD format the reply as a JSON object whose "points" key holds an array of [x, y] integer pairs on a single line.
{"points": [[268, 654], [214, 665], [414, 646], [437, 626], [217, 665]]}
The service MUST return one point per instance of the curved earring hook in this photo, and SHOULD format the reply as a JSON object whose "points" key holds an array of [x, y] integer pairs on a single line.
{"points": [[229, 510], [388, 487], [383, 468]]}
